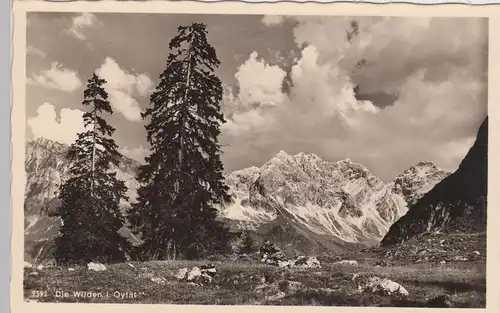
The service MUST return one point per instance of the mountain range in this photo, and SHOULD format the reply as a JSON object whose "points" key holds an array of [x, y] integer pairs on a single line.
{"points": [[306, 204], [301, 202]]}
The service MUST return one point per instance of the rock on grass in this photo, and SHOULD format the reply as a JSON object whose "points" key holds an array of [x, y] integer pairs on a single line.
{"points": [[384, 286]]}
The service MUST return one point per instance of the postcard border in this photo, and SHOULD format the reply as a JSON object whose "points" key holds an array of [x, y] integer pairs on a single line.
{"points": [[157, 7]]}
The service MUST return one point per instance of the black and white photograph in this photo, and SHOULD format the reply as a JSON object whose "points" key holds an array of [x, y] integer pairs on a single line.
{"points": [[255, 160]]}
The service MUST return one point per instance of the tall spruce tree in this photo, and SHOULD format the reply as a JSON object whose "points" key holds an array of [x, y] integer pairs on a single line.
{"points": [[90, 198], [182, 180]]}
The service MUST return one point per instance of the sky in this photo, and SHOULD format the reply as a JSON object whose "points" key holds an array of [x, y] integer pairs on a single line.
{"points": [[384, 92]]}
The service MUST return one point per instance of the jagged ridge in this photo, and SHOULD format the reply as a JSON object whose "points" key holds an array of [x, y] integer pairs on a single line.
{"points": [[302, 200]]}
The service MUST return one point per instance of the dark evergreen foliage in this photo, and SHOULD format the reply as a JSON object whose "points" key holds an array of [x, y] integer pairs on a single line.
{"points": [[182, 180], [90, 198], [248, 243]]}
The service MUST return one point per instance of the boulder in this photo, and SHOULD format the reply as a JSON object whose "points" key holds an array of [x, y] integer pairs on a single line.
{"points": [[158, 280], [284, 264], [271, 254], [278, 296], [98, 267], [206, 279], [194, 274], [384, 286], [348, 262], [198, 276], [305, 262], [209, 270], [181, 274], [278, 289]]}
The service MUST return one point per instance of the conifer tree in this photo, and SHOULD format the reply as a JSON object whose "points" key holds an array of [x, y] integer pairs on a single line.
{"points": [[248, 244], [182, 180], [89, 208]]}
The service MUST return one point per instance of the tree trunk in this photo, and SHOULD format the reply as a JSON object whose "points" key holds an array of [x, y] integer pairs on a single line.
{"points": [[93, 155], [183, 116]]}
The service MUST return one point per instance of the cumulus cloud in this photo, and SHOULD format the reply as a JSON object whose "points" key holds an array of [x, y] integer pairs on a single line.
{"points": [[273, 20], [57, 77], [123, 87], [260, 92], [440, 46], [265, 89], [137, 154], [80, 23], [435, 67], [35, 51], [63, 129]]}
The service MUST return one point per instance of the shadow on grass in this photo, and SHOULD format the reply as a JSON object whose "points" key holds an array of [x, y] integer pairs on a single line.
{"points": [[318, 298], [453, 287]]}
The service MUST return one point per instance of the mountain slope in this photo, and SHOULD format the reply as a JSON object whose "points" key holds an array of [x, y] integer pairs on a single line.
{"points": [[462, 194], [46, 168]]}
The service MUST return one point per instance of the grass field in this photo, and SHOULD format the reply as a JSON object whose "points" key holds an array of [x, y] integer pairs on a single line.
{"points": [[236, 282]]}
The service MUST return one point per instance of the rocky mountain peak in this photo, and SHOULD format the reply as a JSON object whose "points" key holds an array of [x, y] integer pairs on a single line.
{"points": [[246, 172], [348, 163], [40, 146], [417, 180], [282, 155], [422, 168], [302, 157], [46, 143], [429, 164]]}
